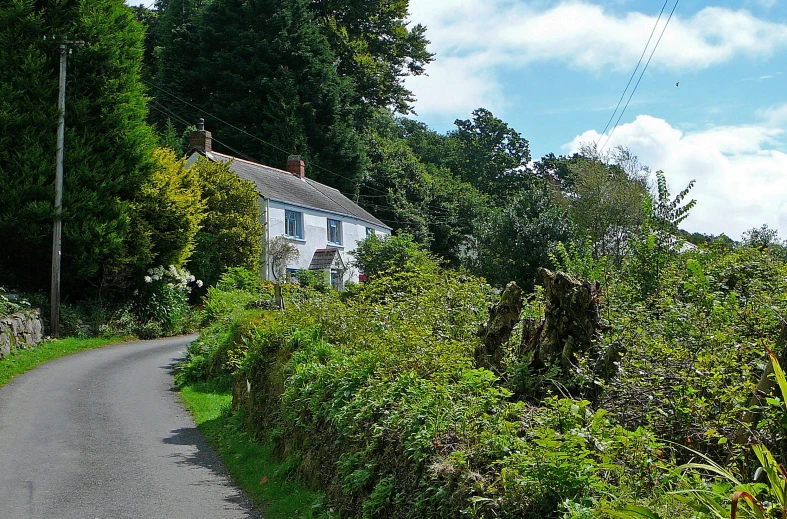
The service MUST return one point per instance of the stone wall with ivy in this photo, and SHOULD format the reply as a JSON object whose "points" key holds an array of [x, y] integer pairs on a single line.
{"points": [[20, 331]]}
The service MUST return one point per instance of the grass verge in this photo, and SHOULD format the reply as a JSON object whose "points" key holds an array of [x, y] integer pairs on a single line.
{"points": [[22, 361], [250, 462]]}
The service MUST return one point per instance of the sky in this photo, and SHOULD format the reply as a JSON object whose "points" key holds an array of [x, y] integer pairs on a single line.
{"points": [[711, 107]]}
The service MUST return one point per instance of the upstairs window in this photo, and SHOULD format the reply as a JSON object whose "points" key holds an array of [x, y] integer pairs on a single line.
{"points": [[293, 224], [370, 232], [334, 231]]}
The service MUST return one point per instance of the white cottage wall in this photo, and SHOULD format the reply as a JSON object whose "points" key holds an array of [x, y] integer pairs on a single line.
{"points": [[315, 234]]}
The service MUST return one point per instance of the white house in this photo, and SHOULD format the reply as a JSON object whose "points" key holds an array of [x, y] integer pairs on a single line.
{"points": [[321, 222]]}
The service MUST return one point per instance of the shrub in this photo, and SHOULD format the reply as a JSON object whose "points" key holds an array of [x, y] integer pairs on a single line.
{"points": [[378, 399], [168, 211], [237, 290], [231, 233], [377, 255], [161, 303], [9, 306]]}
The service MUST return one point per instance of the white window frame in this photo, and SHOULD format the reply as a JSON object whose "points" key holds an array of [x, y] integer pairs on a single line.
{"points": [[338, 226], [295, 218]]}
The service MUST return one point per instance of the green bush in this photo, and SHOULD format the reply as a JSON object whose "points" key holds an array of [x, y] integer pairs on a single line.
{"points": [[377, 255], [378, 400], [373, 394], [237, 290], [231, 233], [161, 303], [8, 306]]}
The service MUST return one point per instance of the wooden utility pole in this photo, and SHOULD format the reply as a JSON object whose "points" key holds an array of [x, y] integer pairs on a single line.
{"points": [[54, 315]]}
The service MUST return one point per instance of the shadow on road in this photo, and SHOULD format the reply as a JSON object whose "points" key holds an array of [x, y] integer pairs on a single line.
{"points": [[201, 455]]}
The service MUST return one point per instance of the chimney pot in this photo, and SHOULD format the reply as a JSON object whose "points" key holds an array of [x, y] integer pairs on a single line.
{"points": [[199, 139], [296, 166]]}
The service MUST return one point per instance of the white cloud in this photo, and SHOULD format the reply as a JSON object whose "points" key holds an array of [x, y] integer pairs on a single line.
{"points": [[741, 177], [765, 4], [481, 37], [456, 85], [775, 115]]}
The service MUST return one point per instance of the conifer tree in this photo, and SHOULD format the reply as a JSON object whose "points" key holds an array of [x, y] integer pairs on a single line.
{"points": [[107, 141], [265, 67]]}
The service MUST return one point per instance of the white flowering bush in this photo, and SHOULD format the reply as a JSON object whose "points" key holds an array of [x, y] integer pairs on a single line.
{"points": [[8, 306], [161, 303]]}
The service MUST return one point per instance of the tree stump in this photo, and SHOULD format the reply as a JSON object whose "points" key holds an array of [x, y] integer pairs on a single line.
{"points": [[571, 321], [497, 331]]}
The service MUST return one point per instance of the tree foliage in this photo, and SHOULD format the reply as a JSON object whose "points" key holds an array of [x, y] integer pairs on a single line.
{"points": [[418, 197], [265, 66], [606, 204], [489, 154], [375, 48], [169, 210], [231, 233], [107, 142], [379, 256], [513, 240]]}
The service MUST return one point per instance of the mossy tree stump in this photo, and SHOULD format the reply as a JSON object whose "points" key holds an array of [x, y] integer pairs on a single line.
{"points": [[497, 331]]}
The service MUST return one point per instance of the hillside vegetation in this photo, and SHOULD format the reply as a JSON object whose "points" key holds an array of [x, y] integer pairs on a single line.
{"points": [[377, 397]]}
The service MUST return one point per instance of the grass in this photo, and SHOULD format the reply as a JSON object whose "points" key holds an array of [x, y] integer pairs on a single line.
{"points": [[251, 463], [22, 361]]}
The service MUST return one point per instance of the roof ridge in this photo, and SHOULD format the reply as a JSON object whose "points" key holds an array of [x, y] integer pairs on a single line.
{"points": [[313, 194], [254, 163]]}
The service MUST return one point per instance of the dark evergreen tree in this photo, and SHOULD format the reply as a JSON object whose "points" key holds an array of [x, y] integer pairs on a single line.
{"points": [[107, 142], [265, 67]]}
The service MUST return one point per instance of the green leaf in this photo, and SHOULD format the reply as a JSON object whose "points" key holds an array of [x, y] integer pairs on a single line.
{"points": [[632, 512]]}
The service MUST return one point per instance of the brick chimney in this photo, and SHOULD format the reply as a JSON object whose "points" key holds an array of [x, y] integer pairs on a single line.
{"points": [[199, 139], [296, 166]]}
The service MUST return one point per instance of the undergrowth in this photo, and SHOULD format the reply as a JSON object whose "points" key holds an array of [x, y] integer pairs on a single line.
{"points": [[373, 395]]}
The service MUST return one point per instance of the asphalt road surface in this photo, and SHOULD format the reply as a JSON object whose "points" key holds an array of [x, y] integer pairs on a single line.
{"points": [[102, 435]]}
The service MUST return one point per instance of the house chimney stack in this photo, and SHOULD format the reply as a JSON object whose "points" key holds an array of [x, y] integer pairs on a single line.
{"points": [[199, 139], [296, 166]]}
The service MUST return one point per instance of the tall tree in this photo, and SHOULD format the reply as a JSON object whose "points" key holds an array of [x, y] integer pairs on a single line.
{"points": [[489, 154], [264, 66], [606, 205], [231, 233], [108, 143], [511, 241], [375, 47], [415, 196]]}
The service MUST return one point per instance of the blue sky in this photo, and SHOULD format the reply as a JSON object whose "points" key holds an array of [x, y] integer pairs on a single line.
{"points": [[554, 70]]}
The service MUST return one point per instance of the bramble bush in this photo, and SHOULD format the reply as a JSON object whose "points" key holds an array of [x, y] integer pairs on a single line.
{"points": [[373, 394], [376, 399]]}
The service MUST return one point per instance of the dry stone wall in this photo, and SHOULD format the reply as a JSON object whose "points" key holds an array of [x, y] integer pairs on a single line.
{"points": [[20, 331]]}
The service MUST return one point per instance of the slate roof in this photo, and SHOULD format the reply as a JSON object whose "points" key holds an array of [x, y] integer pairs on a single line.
{"points": [[326, 258], [281, 186]]}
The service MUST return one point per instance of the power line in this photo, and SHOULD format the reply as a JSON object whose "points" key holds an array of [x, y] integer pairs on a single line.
{"points": [[642, 74], [313, 164], [169, 113], [634, 72], [156, 105]]}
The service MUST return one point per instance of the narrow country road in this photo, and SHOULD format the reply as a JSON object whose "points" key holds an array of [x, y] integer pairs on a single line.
{"points": [[102, 435]]}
